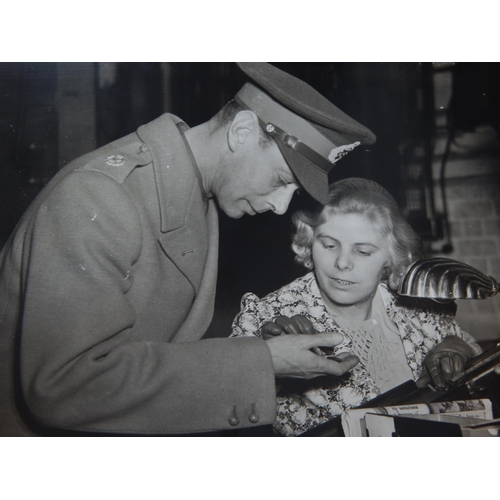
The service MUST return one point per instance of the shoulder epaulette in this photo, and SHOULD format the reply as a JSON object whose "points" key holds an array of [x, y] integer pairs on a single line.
{"points": [[119, 158]]}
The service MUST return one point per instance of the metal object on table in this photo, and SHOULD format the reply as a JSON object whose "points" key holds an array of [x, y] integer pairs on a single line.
{"points": [[478, 367], [446, 279]]}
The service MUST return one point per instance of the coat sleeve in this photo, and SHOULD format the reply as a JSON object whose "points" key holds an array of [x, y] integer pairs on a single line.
{"points": [[81, 368]]}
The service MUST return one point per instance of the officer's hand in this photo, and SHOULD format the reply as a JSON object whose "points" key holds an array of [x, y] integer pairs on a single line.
{"points": [[292, 356], [283, 325], [444, 362]]}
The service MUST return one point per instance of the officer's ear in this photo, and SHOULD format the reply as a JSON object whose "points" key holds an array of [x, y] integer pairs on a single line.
{"points": [[243, 128]]}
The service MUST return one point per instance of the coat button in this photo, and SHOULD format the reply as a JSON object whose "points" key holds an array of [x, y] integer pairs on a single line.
{"points": [[143, 148], [233, 419], [254, 417]]}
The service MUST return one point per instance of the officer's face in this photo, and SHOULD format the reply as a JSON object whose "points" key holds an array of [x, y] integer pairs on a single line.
{"points": [[258, 180]]}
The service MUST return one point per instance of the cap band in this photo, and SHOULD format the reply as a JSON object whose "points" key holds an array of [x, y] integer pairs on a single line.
{"points": [[269, 111], [296, 145]]}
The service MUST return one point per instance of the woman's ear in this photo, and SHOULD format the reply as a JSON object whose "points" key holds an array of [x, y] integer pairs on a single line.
{"points": [[386, 273], [244, 127], [392, 277]]}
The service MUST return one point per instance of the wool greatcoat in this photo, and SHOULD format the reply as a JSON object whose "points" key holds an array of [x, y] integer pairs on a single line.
{"points": [[107, 286]]}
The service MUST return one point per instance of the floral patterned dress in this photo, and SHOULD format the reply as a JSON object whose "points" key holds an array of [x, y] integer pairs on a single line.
{"points": [[303, 405]]}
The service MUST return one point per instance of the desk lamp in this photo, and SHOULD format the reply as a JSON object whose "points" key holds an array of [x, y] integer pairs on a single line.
{"points": [[445, 279]]}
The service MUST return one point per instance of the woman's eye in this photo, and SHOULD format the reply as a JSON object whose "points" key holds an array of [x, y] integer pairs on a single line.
{"points": [[363, 253]]}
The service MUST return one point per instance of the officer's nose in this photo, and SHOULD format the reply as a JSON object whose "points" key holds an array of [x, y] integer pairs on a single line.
{"points": [[281, 200]]}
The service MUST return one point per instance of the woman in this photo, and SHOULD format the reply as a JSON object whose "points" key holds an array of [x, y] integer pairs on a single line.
{"points": [[356, 248]]}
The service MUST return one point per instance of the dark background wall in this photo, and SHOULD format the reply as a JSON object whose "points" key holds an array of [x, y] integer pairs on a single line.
{"points": [[51, 113]]}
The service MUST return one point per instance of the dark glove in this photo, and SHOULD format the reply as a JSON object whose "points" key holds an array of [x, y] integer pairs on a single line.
{"points": [[444, 362], [282, 325]]}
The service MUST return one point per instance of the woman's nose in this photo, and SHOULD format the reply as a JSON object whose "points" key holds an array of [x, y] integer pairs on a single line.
{"points": [[343, 262]]}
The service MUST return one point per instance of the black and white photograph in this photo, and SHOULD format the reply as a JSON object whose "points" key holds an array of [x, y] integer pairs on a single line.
{"points": [[246, 249], [195, 250]]}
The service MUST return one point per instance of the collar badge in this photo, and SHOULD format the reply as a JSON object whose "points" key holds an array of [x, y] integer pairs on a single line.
{"points": [[115, 160]]}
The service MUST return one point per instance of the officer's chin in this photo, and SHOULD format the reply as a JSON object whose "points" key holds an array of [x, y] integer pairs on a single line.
{"points": [[234, 214]]}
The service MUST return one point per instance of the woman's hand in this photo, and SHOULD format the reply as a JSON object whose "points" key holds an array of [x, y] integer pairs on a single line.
{"points": [[444, 362], [295, 325]]}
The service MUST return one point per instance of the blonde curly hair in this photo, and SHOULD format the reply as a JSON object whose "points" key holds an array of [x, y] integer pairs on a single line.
{"points": [[370, 199]]}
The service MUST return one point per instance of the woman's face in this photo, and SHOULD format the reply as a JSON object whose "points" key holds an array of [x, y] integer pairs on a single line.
{"points": [[349, 253]]}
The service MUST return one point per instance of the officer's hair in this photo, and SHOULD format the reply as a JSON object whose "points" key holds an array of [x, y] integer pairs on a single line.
{"points": [[226, 115], [365, 197]]}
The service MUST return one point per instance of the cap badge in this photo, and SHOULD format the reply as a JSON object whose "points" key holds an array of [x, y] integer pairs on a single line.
{"points": [[337, 153], [115, 160]]}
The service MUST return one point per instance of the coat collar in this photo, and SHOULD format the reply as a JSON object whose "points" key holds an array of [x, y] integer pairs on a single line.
{"points": [[184, 231], [171, 160]]}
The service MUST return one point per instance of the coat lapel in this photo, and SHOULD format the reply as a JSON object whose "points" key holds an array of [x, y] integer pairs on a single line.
{"points": [[183, 209]]}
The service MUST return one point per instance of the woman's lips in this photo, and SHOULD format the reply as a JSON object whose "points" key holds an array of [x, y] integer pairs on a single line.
{"points": [[342, 282]]}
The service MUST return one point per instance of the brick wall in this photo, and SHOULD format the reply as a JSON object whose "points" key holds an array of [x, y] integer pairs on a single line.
{"points": [[474, 215]]}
